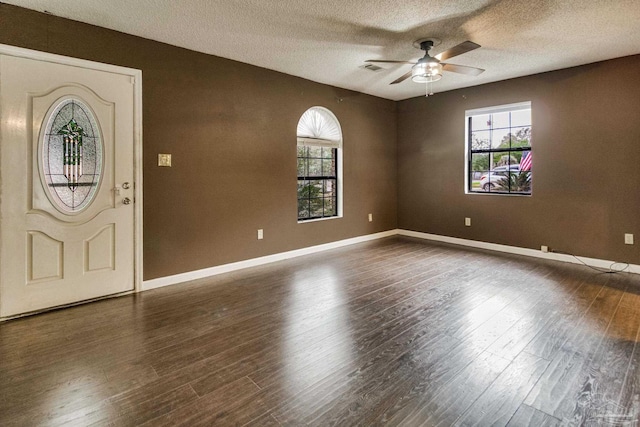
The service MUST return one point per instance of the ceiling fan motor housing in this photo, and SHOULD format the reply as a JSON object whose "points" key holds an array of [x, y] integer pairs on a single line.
{"points": [[426, 45], [427, 69]]}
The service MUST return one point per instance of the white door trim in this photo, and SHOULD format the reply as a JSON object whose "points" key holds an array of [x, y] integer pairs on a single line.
{"points": [[136, 75]]}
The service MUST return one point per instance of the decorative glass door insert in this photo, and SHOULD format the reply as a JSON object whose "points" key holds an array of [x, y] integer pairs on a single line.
{"points": [[72, 155]]}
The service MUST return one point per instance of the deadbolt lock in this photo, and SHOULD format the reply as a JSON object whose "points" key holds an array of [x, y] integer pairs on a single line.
{"points": [[126, 185]]}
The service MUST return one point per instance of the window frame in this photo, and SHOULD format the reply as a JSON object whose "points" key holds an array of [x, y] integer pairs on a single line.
{"points": [[519, 106], [324, 178], [325, 143]]}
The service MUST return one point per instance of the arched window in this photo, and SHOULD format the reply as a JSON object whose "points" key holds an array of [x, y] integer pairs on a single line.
{"points": [[319, 165]]}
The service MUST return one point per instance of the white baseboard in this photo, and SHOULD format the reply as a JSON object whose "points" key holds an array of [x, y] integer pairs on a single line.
{"points": [[226, 268], [594, 262]]}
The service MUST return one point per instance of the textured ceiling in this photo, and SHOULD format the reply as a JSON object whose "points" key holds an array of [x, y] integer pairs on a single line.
{"points": [[328, 41]]}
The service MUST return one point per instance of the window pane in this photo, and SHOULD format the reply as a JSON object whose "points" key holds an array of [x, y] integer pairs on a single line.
{"points": [[479, 166], [480, 140], [315, 152], [521, 137], [526, 161], [500, 120], [315, 188], [491, 181], [302, 167], [315, 167], [502, 159], [303, 208], [327, 153], [316, 207], [303, 189], [330, 188], [480, 122], [329, 206], [302, 150], [521, 118], [329, 167], [500, 138], [496, 181], [521, 182]]}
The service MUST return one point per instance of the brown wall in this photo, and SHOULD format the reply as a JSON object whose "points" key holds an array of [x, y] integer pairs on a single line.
{"points": [[231, 129], [586, 163]]}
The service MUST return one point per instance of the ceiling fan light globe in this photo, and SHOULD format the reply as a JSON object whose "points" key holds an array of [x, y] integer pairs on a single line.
{"points": [[426, 72]]}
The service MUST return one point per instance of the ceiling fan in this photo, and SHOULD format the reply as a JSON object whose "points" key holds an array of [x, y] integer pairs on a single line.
{"points": [[429, 68]]}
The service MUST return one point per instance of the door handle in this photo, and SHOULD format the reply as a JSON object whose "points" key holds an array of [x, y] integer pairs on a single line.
{"points": [[126, 201]]}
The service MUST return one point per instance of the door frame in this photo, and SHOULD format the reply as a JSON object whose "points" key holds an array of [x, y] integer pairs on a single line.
{"points": [[136, 76]]}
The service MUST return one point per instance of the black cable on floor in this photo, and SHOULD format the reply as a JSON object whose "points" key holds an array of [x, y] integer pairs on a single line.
{"points": [[611, 270]]}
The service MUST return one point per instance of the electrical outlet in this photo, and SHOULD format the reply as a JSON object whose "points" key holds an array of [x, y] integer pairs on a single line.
{"points": [[260, 234], [467, 222], [628, 239], [370, 217], [544, 248]]}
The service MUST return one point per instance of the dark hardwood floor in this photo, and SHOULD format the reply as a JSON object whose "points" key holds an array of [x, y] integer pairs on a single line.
{"points": [[392, 332]]}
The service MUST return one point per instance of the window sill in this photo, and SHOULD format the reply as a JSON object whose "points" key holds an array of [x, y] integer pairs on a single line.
{"points": [[329, 218], [496, 193]]}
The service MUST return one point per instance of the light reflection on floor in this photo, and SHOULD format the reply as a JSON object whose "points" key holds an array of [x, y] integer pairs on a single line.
{"points": [[318, 336], [76, 396]]}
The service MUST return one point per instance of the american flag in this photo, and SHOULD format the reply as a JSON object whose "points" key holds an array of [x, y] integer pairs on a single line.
{"points": [[525, 162]]}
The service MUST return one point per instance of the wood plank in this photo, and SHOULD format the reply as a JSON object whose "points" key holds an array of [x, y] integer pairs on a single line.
{"points": [[207, 411], [447, 403], [550, 340], [498, 404], [627, 406], [372, 383], [397, 331], [603, 374], [570, 373], [528, 416], [542, 316]]}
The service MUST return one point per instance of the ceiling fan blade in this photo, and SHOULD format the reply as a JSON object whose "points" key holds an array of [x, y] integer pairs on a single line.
{"points": [[402, 78], [384, 61], [463, 47], [462, 69]]}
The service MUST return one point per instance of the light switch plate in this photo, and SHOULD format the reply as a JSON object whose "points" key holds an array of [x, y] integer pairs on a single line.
{"points": [[164, 160], [628, 239]]}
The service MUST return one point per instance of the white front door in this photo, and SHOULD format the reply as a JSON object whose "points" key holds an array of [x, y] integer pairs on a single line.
{"points": [[66, 184]]}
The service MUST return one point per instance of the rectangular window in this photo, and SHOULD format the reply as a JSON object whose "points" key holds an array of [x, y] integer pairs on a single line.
{"points": [[499, 149], [317, 182]]}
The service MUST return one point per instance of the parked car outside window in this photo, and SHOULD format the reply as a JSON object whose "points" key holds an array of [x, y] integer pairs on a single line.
{"points": [[496, 178]]}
